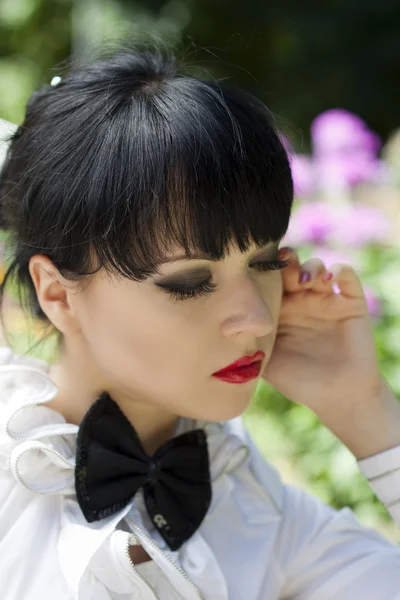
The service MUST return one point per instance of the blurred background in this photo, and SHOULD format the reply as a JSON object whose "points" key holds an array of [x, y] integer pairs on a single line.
{"points": [[330, 72]]}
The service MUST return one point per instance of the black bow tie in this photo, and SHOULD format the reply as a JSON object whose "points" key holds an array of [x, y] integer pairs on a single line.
{"points": [[112, 465]]}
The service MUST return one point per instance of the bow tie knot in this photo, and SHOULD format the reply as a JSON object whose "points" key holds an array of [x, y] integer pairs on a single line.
{"points": [[112, 465], [153, 472]]}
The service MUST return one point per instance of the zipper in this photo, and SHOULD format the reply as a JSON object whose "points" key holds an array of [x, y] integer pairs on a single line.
{"points": [[137, 574], [133, 525], [38, 446], [40, 399], [51, 430], [137, 529], [62, 429], [65, 429]]}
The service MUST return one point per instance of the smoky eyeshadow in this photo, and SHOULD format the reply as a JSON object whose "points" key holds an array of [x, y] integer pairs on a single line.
{"points": [[192, 277], [197, 275]]}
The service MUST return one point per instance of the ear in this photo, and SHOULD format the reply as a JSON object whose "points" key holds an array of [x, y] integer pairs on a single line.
{"points": [[54, 293]]}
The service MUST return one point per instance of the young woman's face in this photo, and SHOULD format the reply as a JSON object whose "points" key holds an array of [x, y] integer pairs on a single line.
{"points": [[163, 350]]}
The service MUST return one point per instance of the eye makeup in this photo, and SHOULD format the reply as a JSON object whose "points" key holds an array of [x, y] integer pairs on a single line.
{"points": [[195, 281]]}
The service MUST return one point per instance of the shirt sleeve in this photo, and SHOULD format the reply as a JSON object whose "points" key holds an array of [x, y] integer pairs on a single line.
{"points": [[325, 554]]}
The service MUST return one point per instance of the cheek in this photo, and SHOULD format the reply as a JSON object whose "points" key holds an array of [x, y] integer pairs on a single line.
{"points": [[273, 298], [132, 332], [121, 321], [277, 295], [272, 293], [145, 347]]}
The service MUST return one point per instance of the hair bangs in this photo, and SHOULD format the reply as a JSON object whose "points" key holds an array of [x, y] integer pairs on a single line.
{"points": [[129, 159], [201, 176]]}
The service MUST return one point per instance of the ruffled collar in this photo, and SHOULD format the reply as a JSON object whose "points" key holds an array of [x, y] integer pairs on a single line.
{"points": [[39, 445]]}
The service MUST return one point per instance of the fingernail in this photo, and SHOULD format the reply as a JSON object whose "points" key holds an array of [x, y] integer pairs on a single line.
{"points": [[305, 276], [327, 276], [285, 253]]}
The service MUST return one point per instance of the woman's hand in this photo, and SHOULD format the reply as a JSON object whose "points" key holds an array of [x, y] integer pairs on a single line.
{"points": [[324, 356]]}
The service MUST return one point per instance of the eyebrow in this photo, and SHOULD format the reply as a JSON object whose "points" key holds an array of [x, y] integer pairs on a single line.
{"points": [[202, 256]]}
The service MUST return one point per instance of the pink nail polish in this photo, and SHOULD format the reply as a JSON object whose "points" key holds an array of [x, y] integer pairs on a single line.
{"points": [[305, 277], [327, 276]]}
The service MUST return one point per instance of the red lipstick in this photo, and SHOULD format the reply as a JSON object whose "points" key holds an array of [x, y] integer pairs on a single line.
{"points": [[242, 370]]}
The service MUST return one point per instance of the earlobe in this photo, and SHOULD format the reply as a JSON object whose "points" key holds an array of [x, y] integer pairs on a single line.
{"points": [[52, 293]]}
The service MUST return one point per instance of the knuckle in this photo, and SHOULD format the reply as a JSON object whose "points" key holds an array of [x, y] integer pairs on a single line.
{"points": [[342, 269], [313, 264]]}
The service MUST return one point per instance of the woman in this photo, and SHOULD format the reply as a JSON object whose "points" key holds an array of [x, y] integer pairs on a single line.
{"points": [[146, 208]]}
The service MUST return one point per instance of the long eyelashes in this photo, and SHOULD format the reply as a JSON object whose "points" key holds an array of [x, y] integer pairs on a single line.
{"points": [[185, 293]]}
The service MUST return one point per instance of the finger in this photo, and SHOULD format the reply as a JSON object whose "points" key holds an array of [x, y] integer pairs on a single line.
{"points": [[315, 269], [347, 280], [291, 274]]}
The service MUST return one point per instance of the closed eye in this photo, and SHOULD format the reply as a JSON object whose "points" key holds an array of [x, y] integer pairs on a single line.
{"points": [[202, 289], [271, 265]]}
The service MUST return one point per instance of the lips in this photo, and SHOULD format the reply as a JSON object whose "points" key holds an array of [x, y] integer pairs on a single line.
{"points": [[241, 374], [242, 362]]}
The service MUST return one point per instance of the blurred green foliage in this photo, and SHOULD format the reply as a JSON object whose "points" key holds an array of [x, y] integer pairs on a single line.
{"points": [[301, 58]]}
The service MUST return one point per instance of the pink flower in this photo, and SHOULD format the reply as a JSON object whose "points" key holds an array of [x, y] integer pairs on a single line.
{"points": [[345, 150], [346, 171], [330, 257], [338, 130], [302, 168], [359, 225], [374, 303], [303, 173], [320, 223], [311, 223]]}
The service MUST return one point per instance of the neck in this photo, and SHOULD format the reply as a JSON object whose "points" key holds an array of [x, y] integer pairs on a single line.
{"points": [[79, 385]]}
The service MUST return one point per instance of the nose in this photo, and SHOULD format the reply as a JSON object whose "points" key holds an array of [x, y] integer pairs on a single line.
{"points": [[248, 312]]}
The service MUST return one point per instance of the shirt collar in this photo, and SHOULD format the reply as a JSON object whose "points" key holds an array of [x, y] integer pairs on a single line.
{"points": [[39, 445]]}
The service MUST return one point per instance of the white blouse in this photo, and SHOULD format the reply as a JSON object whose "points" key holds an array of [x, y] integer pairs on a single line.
{"points": [[260, 540], [157, 580]]}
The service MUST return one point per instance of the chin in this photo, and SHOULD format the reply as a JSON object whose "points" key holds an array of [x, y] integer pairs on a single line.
{"points": [[231, 404]]}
